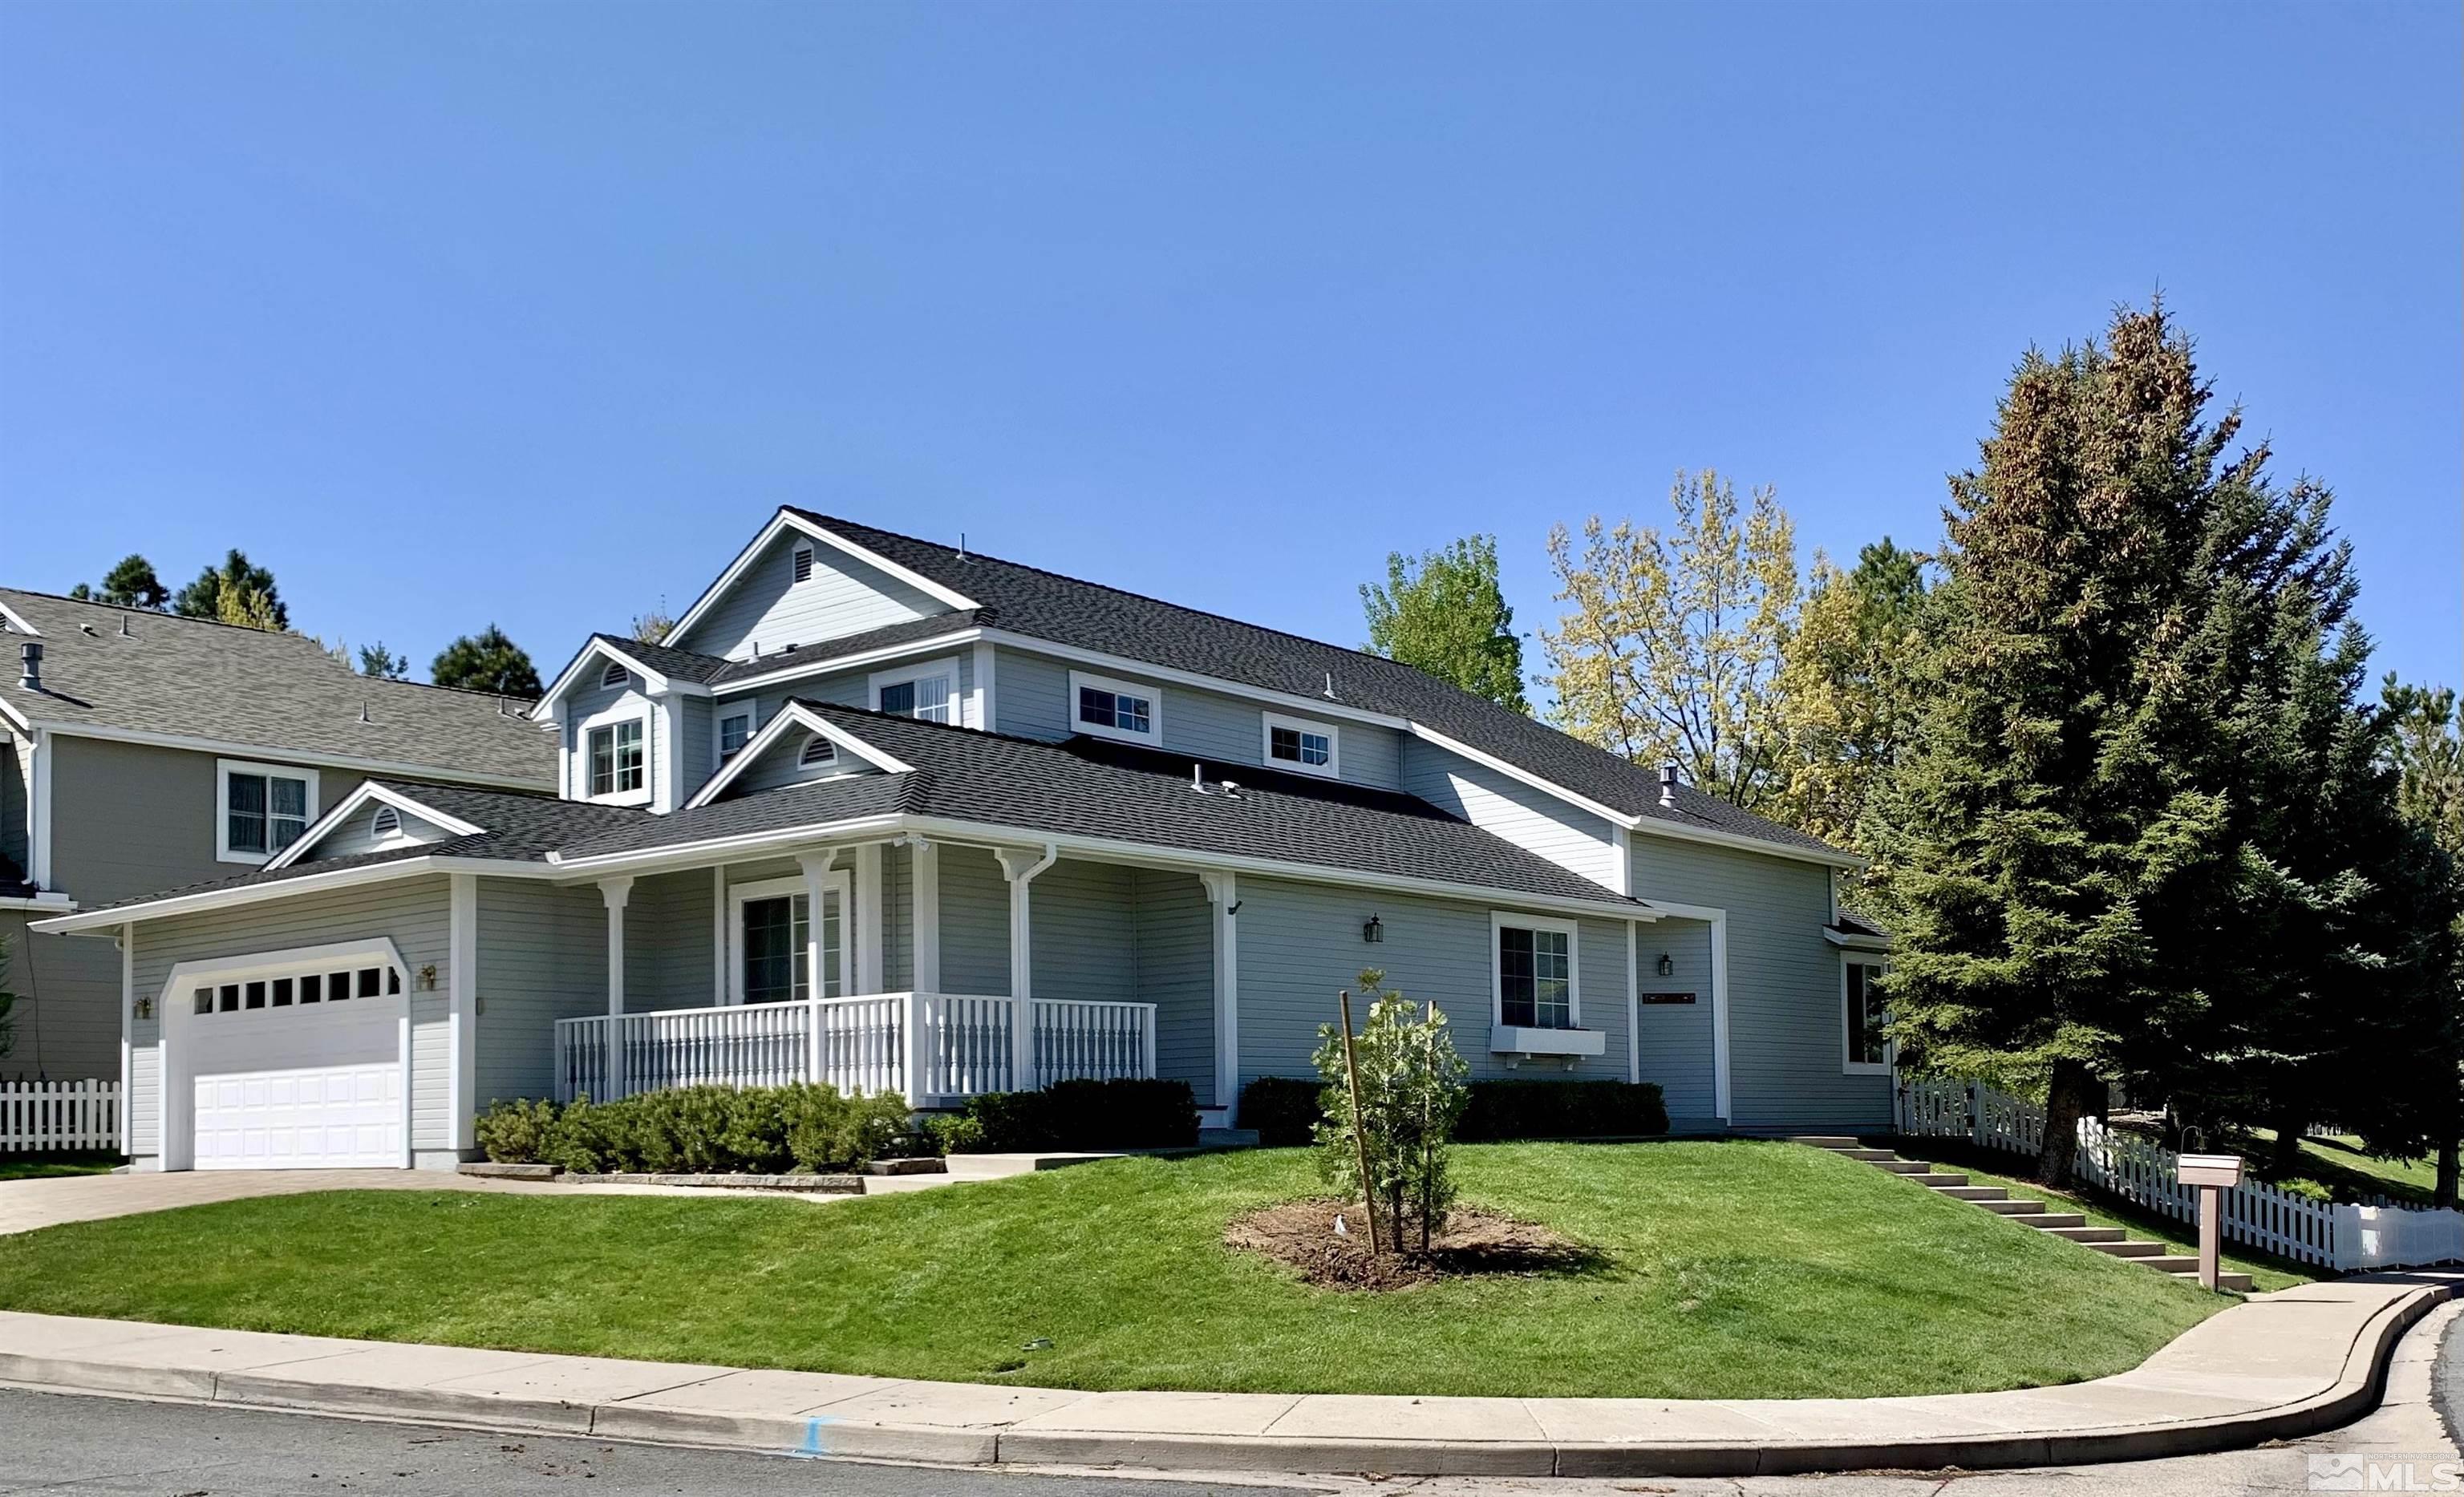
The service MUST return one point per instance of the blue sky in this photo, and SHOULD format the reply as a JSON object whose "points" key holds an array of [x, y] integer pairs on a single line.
{"points": [[532, 312]]}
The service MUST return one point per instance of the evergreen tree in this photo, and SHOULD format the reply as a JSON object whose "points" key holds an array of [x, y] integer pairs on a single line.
{"points": [[1445, 614], [486, 662], [375, 659], [131, 584], [237, 591], [2141, 835]]}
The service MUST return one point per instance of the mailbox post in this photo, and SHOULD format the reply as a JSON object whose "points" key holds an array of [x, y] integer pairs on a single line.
{"points": [[2213, 1174]]}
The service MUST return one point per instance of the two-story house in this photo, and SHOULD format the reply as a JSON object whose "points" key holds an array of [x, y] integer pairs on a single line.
{"points": [[888, 814], [140, 750]]}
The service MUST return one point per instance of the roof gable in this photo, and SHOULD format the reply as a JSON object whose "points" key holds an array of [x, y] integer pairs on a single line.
{"points": [[798, 582]]}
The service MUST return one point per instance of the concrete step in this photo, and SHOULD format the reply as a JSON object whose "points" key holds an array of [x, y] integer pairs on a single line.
{"points": [[2239, 1282], [1945, 1179], [1901, 1166], [1001, 1166], [2127, 1248], [2169, 1262], [2055, 1219], [1980, 1194], [2090, 1235], [1825, 1140], [1869, 1156], [2013, 1207]]}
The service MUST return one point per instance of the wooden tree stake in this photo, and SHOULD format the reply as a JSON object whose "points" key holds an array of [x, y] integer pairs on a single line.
{"points": [[1359, 1133]]}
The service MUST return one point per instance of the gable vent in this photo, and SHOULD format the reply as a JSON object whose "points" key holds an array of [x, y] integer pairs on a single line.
{"points": [[612, 676], [818, 751], [388, 822], [804, 563]]}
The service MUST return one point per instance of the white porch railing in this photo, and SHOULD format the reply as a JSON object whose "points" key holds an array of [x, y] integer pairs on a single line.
{"points": [[39, 1116], [927, 1047], [2346, 1238]]}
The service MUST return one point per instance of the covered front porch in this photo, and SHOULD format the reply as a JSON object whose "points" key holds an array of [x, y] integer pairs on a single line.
{"points": [[935, 969]]}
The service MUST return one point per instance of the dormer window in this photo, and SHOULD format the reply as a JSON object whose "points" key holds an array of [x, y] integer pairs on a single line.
{"points": [[613, 676], [1110, 708], [818, 749], [803, 564], [617, 766], [927, 690], [734, 732], [386, 823], [1296, 743]]}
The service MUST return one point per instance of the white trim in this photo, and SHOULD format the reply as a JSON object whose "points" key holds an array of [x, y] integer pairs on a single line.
{"points": [[1849, 1064], [1718, 919], [872, 928], [653, 682], [1874, 945], [49, 900], [789, 716], [9, 710], [1118, 687], [176, 1099], [1621, 864], [223, 769], [924, 928], [284, 888], [915, 671], [800, 885], [462, 1008], [837, 663], [981, 696], [325, 825], [1331, 769], [1021, 868], [128, 1036], [17, 624], [1499, 920], [630, 708], [781, 521], [1633, 1004], [38, 835], [1223, 897], [396, 767]]}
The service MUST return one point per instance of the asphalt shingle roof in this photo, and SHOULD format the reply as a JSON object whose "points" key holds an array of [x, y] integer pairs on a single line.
{"points": [[1063, 610], [279, 693], [1089, 786]]}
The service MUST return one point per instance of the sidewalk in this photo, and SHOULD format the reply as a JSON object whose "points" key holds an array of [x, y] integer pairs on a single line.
{"points": [[2276, 1367]]}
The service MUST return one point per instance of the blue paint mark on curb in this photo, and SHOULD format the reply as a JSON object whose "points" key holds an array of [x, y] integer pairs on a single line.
{"points": [[812, 1449]]}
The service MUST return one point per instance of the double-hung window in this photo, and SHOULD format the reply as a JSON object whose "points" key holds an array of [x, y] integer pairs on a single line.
{"points": [[1295, 742], [617, 764], [1535, 974], [929, 691], [1109, 708], [734, 732], [264, 809], [1868, 1048]]}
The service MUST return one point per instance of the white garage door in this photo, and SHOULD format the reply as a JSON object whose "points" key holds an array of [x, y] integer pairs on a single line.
{"points": [[300, 1071]]}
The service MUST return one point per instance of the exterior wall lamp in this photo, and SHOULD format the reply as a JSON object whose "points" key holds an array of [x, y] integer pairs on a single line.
{"points": [[1667, 965], [1374, 931]]}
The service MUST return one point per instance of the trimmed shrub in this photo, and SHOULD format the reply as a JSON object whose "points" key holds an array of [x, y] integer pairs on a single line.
{"points": [[702, 1130], [1283, 1110], [1500, 1110], [1073, 1114]]}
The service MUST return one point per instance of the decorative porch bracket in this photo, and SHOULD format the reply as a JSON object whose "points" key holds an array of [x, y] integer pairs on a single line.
{"points": [[1021, 868]]}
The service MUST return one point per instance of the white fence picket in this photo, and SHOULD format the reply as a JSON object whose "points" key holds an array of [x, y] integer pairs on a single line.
{"points": [[48, 1117], [2138, 1171]]}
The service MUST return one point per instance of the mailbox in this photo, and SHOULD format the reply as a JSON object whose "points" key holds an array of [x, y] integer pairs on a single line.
{"points": [[2209, 1169]]}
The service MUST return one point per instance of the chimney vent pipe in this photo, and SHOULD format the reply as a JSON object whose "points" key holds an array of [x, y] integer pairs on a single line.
{"points": [[31, 664]]}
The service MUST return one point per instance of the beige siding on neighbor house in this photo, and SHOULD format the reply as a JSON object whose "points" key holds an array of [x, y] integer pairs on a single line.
{"points": [[67, 1017]]}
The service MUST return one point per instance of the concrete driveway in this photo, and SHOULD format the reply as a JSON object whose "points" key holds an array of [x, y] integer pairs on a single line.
{"points": [[26, 1204]]}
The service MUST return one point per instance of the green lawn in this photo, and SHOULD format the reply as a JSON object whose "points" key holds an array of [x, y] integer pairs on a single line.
{"points": [[2348, 1174], [44, 1166], [1732, 1270], [2267, 1274]]}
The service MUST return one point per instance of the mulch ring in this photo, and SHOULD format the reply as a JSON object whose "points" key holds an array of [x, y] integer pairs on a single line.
{"points": [[1475, 1242]]}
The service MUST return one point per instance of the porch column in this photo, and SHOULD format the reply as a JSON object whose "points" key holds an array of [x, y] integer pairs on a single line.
{"points": [[867, 919], [924, 928], [1020, 868], [462, 1011], [817, 875], [1224, 894], [615, 892]]}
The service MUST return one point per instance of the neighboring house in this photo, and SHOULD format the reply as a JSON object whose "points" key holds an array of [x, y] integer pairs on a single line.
{"points": [[891, 815], [140, 750]]}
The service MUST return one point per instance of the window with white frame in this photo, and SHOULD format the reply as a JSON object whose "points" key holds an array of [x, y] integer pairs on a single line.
{"points": [[818, 749], [734, 732], [1296, 743], [299, 988], [263, 808], [616, 761], [1110, 708], [1867, 1048], [929, 691], [1536, 973]]}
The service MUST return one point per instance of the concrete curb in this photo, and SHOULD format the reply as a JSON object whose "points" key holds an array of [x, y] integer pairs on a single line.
{"points": [[2123, 1417]]}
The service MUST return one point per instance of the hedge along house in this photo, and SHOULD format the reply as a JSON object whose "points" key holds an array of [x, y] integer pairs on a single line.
{"points": [[902, 817]]}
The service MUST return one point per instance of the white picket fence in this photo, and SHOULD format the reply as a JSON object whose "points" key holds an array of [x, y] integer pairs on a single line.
{"points": [[50, 1117], [2346, 1238]]}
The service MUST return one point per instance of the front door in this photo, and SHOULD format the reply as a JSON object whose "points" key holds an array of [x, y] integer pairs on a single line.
{"points": [[778, 944]]}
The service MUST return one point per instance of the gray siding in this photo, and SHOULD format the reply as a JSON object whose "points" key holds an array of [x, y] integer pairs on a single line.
{"points": [[132, 819], [67, 1016], [1785, 1008], [1033, 699], [770, 609], [356, 835], [1086, 938], [1175, 959], [412, 911], [15, 802], [897, 919], [667, 924], [1530, 819], [1674, 1040], [975, 922], [1300, 942], [543, 957]]}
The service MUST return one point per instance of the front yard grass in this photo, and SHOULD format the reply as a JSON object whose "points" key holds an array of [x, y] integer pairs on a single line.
{"points": [[1731, 1269]]}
